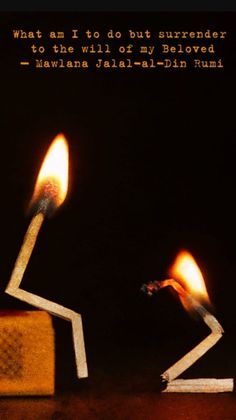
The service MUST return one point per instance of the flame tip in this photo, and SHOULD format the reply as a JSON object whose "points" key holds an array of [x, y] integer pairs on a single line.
{"points": [[52, 179], [187, 272]]}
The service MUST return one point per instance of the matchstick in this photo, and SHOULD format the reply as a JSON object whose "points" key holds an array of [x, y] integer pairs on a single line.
{"points": [[50, 191], [191, 357], [217, 331], [203, 385], [13, 289]]}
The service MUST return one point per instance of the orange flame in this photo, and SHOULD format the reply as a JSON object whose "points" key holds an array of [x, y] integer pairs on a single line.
{"points": [[53, 175], [186, 271]]}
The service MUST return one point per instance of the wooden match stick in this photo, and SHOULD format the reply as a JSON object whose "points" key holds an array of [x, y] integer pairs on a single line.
{"points": [[203, 385], [25, 252], [13, 289], [192, 356]]}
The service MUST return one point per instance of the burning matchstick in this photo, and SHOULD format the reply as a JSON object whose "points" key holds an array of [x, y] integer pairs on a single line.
{"points": [[186, 271], [50, 192]]}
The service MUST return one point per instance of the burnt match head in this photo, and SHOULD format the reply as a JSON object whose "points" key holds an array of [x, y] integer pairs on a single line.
{"points": [[52, 182], [150, 288]]}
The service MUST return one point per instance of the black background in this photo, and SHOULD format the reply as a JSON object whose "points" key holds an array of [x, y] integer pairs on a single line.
{"points": [[121, 5], [152, 171]]}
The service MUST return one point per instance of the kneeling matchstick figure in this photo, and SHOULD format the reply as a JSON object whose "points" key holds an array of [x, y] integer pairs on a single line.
{"points": [[186, 271]]}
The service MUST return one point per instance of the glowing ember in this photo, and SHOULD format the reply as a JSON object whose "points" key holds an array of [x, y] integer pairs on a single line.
{"points": [[186, 271], [52, 181]]}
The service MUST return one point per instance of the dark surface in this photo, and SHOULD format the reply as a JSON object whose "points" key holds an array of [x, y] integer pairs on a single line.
{"points": [[140, 406], [121, 405], [126, 387], [152, 171]]}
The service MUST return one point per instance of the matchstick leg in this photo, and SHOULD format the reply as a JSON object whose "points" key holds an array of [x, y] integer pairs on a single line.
{"points": [[201, 385], [62, 312], [191, 357], [80, 355]]}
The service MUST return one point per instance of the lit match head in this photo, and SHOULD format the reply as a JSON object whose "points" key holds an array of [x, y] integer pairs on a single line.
{"points": [[52, 182], [186, 272]]}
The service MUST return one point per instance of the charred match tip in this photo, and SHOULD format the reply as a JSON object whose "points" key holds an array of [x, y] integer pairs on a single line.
{"points": [[46, 199], [150, 288], [43, 205], [46, 206], [164, 379]]}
